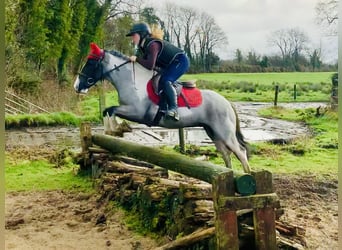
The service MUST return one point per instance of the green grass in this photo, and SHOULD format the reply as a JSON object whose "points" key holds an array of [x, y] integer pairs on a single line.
{"points": [[264, 78], [41, 175], [313, 155], [45, 119], [260, 87]]}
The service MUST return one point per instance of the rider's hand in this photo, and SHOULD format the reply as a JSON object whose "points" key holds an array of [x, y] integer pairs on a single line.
{"points": [[133, 58]]}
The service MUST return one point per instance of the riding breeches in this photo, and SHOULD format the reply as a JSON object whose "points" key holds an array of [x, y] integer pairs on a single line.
{"points": [[176, 69]]}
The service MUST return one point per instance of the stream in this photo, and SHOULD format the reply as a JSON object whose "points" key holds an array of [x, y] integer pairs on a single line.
{"points": [[253, 127]]}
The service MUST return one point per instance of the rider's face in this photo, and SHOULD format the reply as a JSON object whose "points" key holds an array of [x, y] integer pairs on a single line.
{"points": [[136, 38]]}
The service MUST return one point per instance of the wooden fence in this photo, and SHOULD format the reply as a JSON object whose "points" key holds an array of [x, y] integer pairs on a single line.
{"points": [[231, 191], [15, 105]]}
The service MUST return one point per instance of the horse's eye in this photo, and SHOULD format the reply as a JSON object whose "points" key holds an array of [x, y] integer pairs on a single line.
{"points": [[90, 81]]}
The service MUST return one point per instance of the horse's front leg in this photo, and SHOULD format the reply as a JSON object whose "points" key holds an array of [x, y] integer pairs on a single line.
{"points": [[111, 125]]}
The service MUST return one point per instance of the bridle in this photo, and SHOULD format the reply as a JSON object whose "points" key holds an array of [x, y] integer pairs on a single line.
{"points": [[91, 81]]}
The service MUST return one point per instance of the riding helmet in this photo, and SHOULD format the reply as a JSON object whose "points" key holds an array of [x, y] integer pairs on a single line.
{"points": [[141, 28]]}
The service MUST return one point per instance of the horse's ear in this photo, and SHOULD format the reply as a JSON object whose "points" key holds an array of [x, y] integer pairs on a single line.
{"points": [[95, 51]]}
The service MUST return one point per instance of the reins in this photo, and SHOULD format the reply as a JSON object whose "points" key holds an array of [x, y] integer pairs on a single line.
{"points": [[115, 68]]}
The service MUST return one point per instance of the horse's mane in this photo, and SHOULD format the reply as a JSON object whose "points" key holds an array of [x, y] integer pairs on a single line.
{"points": [[118, 54], [125, 58]]}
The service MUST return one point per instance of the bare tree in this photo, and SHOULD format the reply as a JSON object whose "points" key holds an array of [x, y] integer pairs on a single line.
{"points": [[291, 43], [189, 17], [210, 36], [326, 15], [197, 33], [280, 39], [172, 23], [122, 7]]}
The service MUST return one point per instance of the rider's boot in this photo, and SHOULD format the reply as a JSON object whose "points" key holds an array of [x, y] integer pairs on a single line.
{"points": [[171, 97], [162, 102]]}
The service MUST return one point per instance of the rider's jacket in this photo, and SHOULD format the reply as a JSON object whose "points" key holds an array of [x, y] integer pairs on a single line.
{"points": [[166, 55]]}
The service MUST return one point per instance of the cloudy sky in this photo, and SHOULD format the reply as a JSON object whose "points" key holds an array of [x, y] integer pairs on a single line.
{"points": [[248, 23]]}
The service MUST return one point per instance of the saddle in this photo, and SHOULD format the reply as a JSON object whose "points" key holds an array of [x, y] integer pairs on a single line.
{"points": [[187, 92]]}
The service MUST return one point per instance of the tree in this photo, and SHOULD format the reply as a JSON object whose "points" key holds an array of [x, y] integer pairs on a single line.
{"points": [[315, 60], [92, 31], [195, 32], [291, 42], [115, 31], [252, 58], [71, 47], [148, 15], [238, 56], [58, 22], [264, 63], [32, 32], [209, 36], [326, 15], [120, 8]]}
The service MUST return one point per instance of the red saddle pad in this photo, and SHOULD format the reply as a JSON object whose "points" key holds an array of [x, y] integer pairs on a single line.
{"points": [[193, 96]]}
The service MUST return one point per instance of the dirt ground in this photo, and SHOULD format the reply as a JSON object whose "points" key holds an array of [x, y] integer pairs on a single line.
{"points": [[64, 220], [312, 205]]}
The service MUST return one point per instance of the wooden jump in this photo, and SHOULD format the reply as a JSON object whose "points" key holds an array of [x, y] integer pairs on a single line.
{"points": [[231, 191]]}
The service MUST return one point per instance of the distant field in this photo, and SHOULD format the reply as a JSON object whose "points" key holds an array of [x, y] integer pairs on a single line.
{"points": [[259, 87], [264, 78]]}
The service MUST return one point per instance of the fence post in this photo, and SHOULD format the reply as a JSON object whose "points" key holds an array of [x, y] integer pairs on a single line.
{"points": [[294, 92], [102, 99], [86, 142], [264, 218], [181, 140], [226, 224], [276, 91]]}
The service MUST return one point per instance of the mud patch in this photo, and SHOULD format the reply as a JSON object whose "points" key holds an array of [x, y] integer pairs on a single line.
{"points": [[65, 220], [311, 204]]}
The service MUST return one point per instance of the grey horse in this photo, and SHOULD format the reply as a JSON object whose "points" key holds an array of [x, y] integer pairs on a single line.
{"points": [[215, 114]]}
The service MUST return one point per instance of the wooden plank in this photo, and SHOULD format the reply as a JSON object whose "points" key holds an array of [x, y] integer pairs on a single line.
{"points": [[246, 202]]}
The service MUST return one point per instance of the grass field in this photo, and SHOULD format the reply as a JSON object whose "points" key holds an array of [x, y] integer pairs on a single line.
{"points": [[264, 78], [260, 87]]}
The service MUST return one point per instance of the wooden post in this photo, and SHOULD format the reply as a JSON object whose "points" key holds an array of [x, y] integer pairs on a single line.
{"points": [[264, 228], [276, 91], [264, 182], [264, 217], [181, 140], [294, 92], [86, 142], [102, 99], [226, 224]]}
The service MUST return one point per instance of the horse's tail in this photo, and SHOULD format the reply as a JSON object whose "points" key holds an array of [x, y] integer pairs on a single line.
{"points": [[240, 136]]}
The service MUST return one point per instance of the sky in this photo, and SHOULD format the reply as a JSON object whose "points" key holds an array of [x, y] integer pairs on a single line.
{"points": [[248, 23]]}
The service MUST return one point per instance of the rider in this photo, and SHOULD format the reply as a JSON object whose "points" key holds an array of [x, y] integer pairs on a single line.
{"points": [[158, 54]]}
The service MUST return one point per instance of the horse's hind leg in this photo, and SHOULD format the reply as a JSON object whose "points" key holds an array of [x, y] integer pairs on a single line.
{"points": [[221, 147], [227, 142], [240, 152]]}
